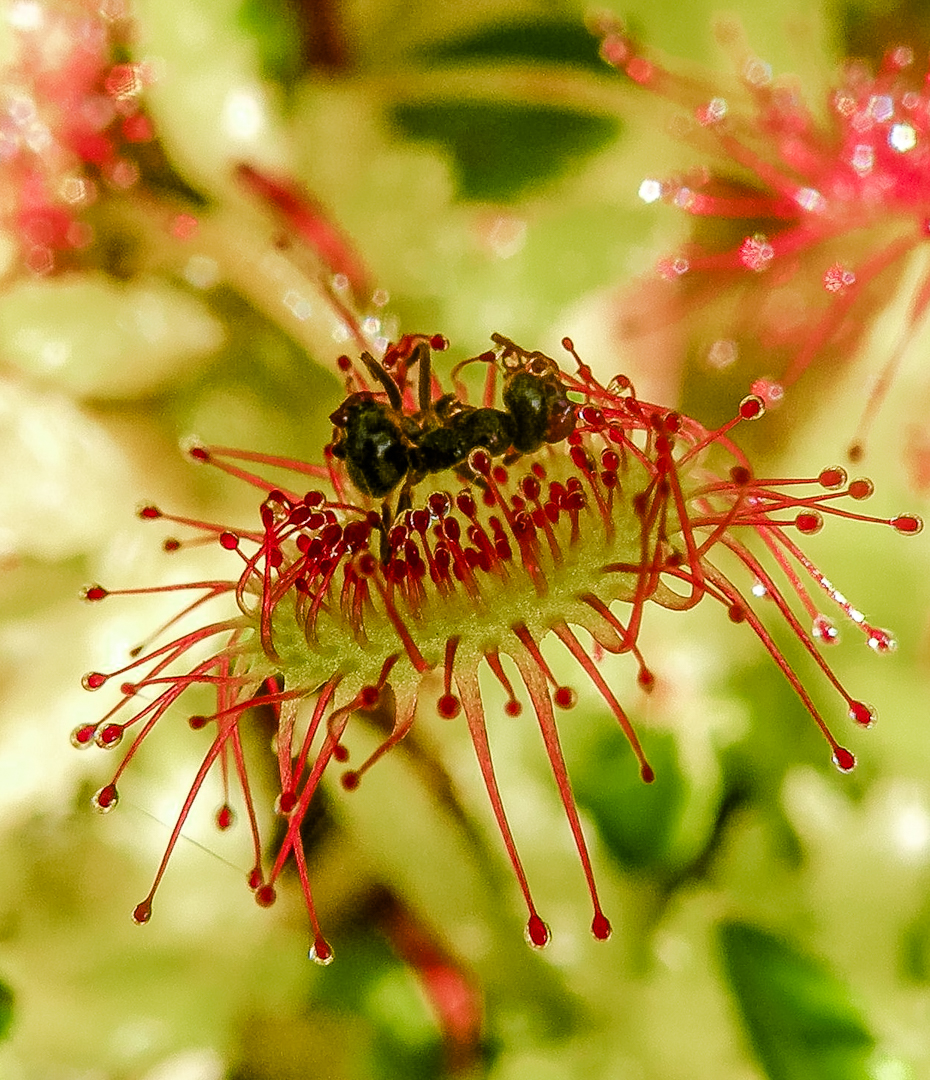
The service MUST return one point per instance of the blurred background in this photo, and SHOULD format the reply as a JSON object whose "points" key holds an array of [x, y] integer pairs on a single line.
{"points": [[196, 201]]}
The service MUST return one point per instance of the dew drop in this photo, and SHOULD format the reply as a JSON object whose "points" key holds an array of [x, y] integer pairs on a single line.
{"points": [[285, 802], [863, 714], [908, 524], [108, 736], [93, 680], [844, 760], [92, 593], [808, 522], [646, 680], [83, 736], [861, 489], [321, 952], [832, 478], [536, 932], [600, 927], [448, 706], [142, 913], [751, 407], [105, 800], [265, 895], [225, 817], [565, 697], [825, 631], [254, 878], [882, 641]]}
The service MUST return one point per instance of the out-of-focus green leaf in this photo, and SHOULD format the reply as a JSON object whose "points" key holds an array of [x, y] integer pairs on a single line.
{"points": [[274, 25], [798, 1016], [502, 150], [6, 1009], [369, 981], [564, 41], [636, 821]]}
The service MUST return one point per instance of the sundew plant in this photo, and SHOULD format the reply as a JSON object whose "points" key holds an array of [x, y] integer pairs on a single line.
{"points": [[461, 532]]}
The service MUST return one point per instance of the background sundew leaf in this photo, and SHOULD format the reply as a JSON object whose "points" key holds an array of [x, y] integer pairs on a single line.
{"points": [[798, 1016], [565, 41], [501, 150]]}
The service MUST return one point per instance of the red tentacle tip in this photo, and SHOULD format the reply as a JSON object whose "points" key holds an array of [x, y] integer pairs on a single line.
{"points": [[843, 759], [565, 697], [909, 524], [93, 593], [863, 714], [448, 706], [198, 453], [265, 895], [646, 680], [832, 478], [108, 736], [646, 773], [149, 512], [225, 817], [142, 913], [321, 951], [285, 802], [229, 541], [751, 407], [350, 779], [83, 736], [537, 933], [105, 799], [600, 926], [254, 878], [93, 680]]}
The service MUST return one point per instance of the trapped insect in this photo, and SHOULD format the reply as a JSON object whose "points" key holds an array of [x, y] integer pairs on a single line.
{"points": [[383, 444]]}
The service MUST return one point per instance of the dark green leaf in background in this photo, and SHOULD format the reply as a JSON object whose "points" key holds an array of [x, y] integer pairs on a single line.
{"points": [[274, 26], [564, 41], [798, 1016], [636, 821], [501, 151], [6, 1009]]}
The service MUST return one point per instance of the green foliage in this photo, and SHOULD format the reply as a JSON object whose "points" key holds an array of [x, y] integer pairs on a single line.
{"points": [[638, 822], [369, 981], [501, 151], [274, 26], [798, 1016], [565, 41], [6, 1009]]}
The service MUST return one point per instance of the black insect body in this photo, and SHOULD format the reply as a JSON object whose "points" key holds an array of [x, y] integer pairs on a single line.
{"points": [[372, 445], [449, 444], [540, 410], [382, 445]]}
